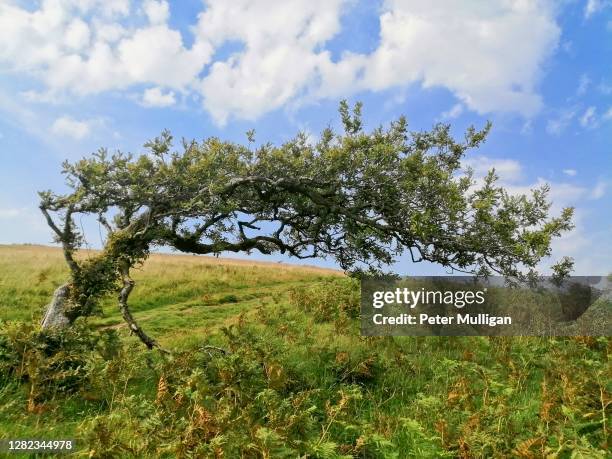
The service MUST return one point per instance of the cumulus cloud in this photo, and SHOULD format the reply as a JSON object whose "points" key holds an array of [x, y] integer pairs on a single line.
{"points": [[157, 11], [83, 47], [570, 172], [281, 57], [77, 35], [508, 170], [69, 127], [155, 97], [474, 51], [489, 55]]}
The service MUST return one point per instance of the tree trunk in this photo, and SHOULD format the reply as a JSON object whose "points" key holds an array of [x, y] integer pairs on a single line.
{"points": [[55, 315], [124, 293]]}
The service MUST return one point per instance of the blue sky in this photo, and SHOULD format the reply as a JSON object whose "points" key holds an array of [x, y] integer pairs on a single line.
{"points": [[76, 75]]}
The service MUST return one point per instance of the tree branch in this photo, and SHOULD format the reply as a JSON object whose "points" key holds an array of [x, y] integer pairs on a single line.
{"points": [[124, 293], [63, 237]]}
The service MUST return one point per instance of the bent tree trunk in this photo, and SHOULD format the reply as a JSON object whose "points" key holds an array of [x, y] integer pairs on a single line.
{"points": [[55, 314], [128, 286], [96, 276]]}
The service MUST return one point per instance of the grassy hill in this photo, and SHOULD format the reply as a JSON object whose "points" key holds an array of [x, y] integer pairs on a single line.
{"points": [[297, 379], [172, 291]]}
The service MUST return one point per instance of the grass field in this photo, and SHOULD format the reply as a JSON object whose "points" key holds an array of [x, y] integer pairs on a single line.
{"points": [[173, 293], [297, 381]]}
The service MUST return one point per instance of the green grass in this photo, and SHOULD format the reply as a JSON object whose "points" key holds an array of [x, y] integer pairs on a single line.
{"points": [[171, 290], [299, 380]]}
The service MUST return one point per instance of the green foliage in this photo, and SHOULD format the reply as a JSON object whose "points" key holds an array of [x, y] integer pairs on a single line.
{"points": [[99, 275], [361, 198], [293, 385], [52, 362], [96, 277], [329, 300]]}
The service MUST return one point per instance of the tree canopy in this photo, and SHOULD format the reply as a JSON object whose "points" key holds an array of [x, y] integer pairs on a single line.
{"points": [[361, 198]]}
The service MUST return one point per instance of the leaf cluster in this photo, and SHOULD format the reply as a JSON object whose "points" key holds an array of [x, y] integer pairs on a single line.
{"points": [[360, 198]]}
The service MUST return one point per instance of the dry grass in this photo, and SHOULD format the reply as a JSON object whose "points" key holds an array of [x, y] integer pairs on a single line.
{"points": [[34, 252]]}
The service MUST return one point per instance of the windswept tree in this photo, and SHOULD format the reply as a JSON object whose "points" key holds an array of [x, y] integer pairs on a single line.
{"points": [[361, 198]]}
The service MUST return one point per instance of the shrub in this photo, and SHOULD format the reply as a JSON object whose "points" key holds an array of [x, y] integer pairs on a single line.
{"points": [[328, 300], [52, 361]]}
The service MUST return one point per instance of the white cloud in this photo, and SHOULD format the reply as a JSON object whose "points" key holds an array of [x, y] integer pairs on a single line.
{"points": [[599, 190], [570, 172], [39, 97], [158, 12], [563, 194], [109, 32], [280, 60], [69, 127], [20, 116], [489, 55], [171, 64], [575, 244], [512, 178], [155, 97], [111, 8], [473, 51], [508, 170], [592, 7], [82, 47], [453, 112], [22, 224], [588, 118], [590, 251], [77, 35], [557, 125]]}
